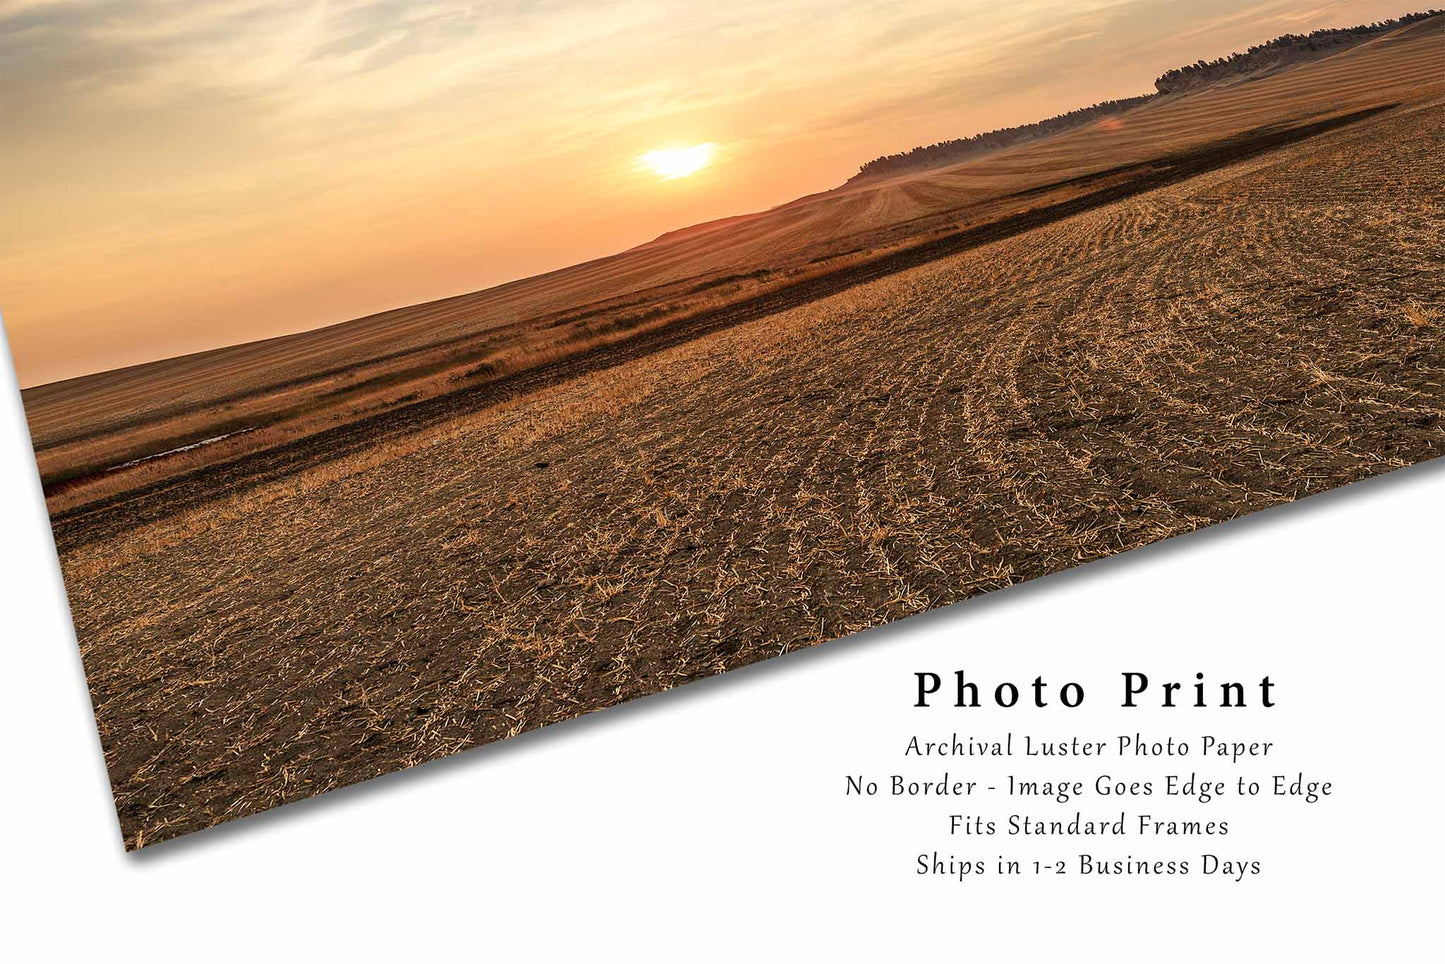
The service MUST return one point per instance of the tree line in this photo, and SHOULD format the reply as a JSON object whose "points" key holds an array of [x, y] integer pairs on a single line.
{"points": [[1286, 48]]}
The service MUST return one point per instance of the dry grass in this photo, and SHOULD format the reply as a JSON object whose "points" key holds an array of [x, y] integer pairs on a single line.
{"points": [[1421, 316], [1248, 337]]}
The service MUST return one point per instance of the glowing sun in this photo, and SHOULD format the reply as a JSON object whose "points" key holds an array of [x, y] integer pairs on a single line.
{"points": [[675, 162]]}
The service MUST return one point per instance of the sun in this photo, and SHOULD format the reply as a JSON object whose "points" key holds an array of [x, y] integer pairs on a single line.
{"points": [[674, 162]]}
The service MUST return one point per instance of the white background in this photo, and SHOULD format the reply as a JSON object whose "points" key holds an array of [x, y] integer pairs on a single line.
{"points": [[711, 821]]}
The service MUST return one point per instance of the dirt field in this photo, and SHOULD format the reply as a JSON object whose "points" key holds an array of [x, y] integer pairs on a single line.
{"points": [[1246, 336]]}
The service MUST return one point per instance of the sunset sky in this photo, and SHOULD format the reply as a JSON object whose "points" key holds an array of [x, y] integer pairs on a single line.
{"points": [[177, 175]]}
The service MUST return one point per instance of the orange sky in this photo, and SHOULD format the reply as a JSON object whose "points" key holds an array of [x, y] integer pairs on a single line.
{"points": [[176, 176]]}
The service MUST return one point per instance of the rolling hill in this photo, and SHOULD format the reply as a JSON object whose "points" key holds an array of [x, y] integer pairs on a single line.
{"points": [[269, 393]]}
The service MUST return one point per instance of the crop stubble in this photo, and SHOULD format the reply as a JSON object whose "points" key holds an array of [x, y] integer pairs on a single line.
{"points": [[1250, 336]]}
